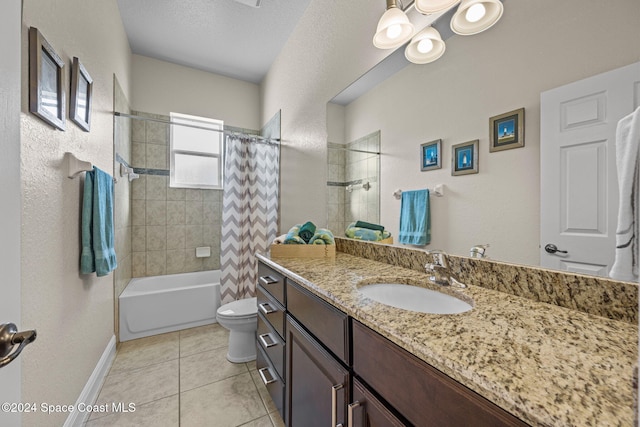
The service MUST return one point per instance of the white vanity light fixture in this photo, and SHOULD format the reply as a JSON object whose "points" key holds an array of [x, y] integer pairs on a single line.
{"points": [[394, 28], [425, 47], [427, 7], [476, 16]]}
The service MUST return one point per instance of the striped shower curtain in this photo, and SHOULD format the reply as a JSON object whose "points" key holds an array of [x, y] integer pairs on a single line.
{"points": [[249, 212]]}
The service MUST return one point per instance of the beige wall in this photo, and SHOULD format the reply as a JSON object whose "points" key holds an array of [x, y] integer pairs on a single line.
{"points": [[161, 88], [73, 313], [503, 69], [450, 99]]}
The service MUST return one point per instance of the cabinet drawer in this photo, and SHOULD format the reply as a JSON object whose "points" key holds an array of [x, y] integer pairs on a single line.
{"points": [[272, 311], [272, 281], [368, 411], [271, 380], [327, 323], [272, 344], [422, 394]]}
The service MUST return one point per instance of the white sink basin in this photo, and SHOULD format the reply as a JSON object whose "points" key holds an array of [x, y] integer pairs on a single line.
{"points": [[414, 298]]}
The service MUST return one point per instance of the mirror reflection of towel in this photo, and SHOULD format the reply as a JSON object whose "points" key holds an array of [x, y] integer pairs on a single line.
{"points": [[625, 266], [415, 219]]}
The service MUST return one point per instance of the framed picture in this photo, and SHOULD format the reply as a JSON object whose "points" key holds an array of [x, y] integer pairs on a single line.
{"points": [[46, 81], [506, 131], [464, 158], [81, 95], [430, 155]]}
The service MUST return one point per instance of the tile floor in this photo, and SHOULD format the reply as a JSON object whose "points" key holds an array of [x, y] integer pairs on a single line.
{"points": [[184, 379]]}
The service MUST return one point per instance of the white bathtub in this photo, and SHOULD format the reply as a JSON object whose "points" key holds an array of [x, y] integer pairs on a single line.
{"points": [[155, 305]]}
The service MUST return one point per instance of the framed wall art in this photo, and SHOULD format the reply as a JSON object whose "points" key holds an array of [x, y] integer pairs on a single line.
{"points": [[81, 95], [506, 131], [431, 155], [464, 158], [46, 81]]}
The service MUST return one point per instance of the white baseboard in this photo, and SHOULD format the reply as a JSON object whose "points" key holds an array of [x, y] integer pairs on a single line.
{"points": [[94, 384]]}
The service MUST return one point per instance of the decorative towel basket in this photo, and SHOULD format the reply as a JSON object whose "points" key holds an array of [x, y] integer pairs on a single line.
{"points": [[303, 251]]}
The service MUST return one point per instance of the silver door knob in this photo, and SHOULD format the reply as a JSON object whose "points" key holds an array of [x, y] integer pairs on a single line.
{"points": [[9, 338], [552, 249]]}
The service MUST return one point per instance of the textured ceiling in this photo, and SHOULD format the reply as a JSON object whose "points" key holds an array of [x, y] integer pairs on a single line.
{"points": [[220, 36]]}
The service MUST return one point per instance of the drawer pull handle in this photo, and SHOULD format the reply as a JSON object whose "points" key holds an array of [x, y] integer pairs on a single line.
{"points": [[272, 378], [266, 344], [267, 280], [266, 308], [334, 405], [352, 406]]}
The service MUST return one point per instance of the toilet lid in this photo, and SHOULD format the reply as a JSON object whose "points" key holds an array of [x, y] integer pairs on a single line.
{"points": [[240, 308]]}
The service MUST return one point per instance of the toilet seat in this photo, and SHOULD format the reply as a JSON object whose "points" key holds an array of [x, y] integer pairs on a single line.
{"points": [[241, 309]]}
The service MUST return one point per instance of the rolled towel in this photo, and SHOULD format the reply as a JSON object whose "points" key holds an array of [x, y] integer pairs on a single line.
{"points": [[322, 237], [359, 233], [307, 230], [279, 240], [370, 226], [293, 238]]}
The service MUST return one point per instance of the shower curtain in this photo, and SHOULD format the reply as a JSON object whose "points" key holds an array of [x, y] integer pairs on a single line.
{"points": [[249, 212]]}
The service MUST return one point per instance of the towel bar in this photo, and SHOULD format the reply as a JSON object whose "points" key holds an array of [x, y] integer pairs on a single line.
{"points": [[437, 191]]}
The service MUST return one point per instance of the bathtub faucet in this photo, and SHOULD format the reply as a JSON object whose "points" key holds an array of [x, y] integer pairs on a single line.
{"points": [[439, 270]]}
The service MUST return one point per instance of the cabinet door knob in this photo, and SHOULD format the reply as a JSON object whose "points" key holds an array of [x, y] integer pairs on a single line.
{"points": [[266, 308], [270, 343], [334, 405], [267, 280], [272, 378], [352, 406]]}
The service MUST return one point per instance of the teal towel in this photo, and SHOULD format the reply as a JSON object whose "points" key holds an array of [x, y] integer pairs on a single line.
{"points": [[293, 238], [322, 237], [98, 253], [307, 231], [370, 226], [415, 219]]}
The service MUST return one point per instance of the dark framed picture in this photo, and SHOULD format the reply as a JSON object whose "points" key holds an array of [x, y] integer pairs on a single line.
{"points": [[464, 158], [46, 81], [506, 131], [431, 155], [81, 95]]}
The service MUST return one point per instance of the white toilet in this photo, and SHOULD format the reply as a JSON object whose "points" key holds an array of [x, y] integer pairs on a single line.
{"points": [[241, 319]]}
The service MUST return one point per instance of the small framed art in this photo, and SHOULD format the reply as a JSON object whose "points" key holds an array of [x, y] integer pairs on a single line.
{"points": [[46, 81], [430, 155], [464, 158], [506, 131], [81, 95]]}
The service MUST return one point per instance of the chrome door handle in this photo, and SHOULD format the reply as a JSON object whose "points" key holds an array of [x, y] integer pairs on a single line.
{"points": [[267, 280], [266, 344], [334, 405], [552, 249], [352, 406], [10, 337], [265, 310], [266, 381]]}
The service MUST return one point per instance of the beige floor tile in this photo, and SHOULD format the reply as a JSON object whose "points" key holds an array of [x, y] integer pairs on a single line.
{"points": [[142, 385], [146, 351], [262, 390], [260, 422], [203, 338], [276, 419], [159, 413], [207, 367], [227, 403]]}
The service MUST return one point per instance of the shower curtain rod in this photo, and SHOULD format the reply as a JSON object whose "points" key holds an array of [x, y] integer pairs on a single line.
{"points": [[258, 138]]}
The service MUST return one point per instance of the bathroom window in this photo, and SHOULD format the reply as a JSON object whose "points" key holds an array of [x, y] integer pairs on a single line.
{"points": [[196, 152]]}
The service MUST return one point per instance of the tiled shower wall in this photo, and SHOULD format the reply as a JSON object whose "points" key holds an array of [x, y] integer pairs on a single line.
{"points": [[346, 167], [168, 223]]}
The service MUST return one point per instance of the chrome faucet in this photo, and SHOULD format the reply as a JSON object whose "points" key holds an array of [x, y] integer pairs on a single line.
{"points": [[440, 273], [478, 251]]}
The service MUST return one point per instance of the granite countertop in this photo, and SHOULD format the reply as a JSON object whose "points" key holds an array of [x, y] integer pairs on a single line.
{"points": [[547, 365]]}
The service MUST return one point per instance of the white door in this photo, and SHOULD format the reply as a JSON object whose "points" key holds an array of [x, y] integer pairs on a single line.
{"points": [[10, 22], [579, 187]]}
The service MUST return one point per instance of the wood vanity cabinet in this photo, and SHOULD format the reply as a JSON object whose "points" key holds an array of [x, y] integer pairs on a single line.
{"points": [[422, 394], [270, 336]]}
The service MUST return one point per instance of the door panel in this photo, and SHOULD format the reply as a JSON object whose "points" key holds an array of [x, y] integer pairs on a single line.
{"points": [[579, 196]]}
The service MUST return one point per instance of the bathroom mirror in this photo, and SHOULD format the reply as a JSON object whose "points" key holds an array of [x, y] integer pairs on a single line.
{"points": [[528, 52]]}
